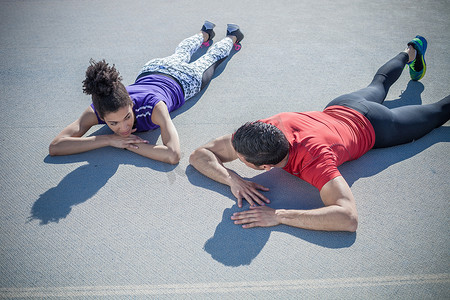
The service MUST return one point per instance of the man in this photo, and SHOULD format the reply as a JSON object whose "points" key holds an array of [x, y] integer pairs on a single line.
{"points": [[312, 145]]}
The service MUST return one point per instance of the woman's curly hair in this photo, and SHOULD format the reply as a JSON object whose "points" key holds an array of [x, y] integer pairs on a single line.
{"points": [[103, 82]]}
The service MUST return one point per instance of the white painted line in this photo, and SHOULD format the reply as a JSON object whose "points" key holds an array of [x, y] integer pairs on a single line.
{"points": [[223, 287]]}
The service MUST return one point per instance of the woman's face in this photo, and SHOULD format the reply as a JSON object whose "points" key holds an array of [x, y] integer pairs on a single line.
{"points": [[121, 121]]}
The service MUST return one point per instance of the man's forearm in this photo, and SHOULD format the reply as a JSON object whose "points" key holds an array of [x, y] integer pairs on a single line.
{"points": [[329, 218]]}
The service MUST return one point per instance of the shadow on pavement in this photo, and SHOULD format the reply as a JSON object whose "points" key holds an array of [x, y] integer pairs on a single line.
{"points": [[84, 182], [234, 246]]}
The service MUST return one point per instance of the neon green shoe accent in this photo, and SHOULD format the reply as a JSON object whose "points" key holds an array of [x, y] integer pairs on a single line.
{"points": [[417, 75], [418, 67]]}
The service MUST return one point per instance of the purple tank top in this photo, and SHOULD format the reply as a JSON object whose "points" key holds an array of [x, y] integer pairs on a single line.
{"points": [[145, 93]]}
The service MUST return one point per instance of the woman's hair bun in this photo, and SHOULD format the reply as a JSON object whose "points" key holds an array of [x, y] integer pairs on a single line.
{"points": [[100, 78]]}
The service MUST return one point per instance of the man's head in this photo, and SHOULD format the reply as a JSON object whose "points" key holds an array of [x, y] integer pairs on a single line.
{"points": [[260, 143]]}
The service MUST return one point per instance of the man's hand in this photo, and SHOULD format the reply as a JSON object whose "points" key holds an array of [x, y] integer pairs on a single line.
{"points": [[339, 213], [257, 216], [130, 141], [248, 190]]}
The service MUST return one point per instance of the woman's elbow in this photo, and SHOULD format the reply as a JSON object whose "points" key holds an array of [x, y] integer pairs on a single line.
{"points": [[174, 157]]}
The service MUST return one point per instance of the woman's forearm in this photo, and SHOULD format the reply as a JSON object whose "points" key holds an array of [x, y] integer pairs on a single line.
{"points": [[158, 152], [73, 145]]}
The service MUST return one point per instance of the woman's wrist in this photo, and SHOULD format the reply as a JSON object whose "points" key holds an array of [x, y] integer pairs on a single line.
{"points": [[104, 140]]}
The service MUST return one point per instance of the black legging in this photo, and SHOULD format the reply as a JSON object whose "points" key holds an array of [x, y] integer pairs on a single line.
{"points": [[398, 125]]}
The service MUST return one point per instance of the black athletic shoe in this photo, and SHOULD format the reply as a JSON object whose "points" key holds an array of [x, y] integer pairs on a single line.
{"points": [[234, 30], [209, 31]]}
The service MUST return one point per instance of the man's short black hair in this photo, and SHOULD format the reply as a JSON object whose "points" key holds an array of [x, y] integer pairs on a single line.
{"points": [[261, 143]]}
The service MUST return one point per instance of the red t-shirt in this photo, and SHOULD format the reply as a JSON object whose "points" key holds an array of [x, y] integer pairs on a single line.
{"points": [[321, 141]]}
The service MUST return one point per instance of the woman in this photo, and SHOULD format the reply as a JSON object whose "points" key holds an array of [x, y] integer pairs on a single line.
{"points": [[311, 145], [163, 85]]}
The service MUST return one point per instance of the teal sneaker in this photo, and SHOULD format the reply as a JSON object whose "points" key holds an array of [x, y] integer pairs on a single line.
{"points": [[418, 67]]}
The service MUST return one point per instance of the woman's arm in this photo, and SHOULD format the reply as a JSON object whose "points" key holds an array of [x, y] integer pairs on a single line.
{"points": [[170, 151], [71, 141], [339, 213]]}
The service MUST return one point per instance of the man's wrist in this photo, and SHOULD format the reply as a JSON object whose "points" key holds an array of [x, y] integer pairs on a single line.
{"points": [[230, 180], [231, 177], [281, 215]]}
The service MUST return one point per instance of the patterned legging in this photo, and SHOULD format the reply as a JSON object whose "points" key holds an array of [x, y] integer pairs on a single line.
{"points": [[195, 75]]}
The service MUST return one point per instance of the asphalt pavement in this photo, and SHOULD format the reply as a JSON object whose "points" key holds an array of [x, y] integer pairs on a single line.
{"points": [[110, 224]]}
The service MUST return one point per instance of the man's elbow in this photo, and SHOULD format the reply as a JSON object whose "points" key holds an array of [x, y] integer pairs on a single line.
{"points": [[53, 150], [195, 156], [352, 221]]}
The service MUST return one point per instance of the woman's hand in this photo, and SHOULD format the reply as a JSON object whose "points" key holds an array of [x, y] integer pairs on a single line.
{"points": [[129, 142]]}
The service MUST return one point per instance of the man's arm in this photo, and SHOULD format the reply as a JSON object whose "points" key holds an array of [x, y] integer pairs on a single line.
{"points": [[339, 213], [71, 141], [170, 151], [209, 159]]}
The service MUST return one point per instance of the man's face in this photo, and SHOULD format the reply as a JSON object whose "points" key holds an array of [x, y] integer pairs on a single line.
{"points": [[250, 165]]}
